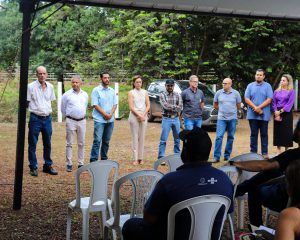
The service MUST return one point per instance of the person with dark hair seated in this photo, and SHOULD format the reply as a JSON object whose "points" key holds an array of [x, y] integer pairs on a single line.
{"points": [[196, 177], [288, 226], [272, 196]]}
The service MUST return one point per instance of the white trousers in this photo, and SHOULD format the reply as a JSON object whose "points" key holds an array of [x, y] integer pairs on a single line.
{"points": [[138, 132], [78, 127]]}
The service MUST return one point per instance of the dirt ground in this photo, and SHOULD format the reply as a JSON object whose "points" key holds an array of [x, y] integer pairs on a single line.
{"points": [[45, 198]]}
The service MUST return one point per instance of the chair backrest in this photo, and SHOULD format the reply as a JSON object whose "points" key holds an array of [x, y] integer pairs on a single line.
{"points": [[234, 175], [142, 184], [173, 161], [100, 172], [203, 211], [246, 157]]}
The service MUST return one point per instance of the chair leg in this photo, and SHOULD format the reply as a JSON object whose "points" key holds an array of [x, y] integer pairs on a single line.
{"points": [[85, 224], [241, 207], [69, 218], [231, 226], [105, 237], [267, 213]]}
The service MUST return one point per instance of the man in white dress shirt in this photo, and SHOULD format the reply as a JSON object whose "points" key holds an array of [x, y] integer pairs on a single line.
{"points": [[39, 96], [73, 106]]}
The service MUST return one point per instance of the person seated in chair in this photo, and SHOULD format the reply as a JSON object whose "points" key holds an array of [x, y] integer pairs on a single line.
{"points": [[288, 225], [196, 177], [260, 191]]}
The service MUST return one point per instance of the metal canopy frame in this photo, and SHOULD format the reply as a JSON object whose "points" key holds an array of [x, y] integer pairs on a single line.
{"points": [[266, 9]]}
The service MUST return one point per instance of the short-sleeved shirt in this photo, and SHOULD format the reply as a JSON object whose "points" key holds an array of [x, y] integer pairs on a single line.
{"points": [[285, 158], [258, 93], [191, 103], [105, 98], [74, 104], [189, 180], [39, 99], [227, 102]]}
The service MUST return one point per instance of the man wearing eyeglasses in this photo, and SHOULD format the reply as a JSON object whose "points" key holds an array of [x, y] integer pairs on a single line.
{"points": [[227, 101], [193, 103], [171, 104]]}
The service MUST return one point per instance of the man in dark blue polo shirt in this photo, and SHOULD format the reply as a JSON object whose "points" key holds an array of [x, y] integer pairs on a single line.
{"points": [[193, 102], [195, 178]]}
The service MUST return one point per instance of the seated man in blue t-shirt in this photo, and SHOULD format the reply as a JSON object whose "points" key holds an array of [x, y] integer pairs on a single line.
{"points": [[195, 178]]}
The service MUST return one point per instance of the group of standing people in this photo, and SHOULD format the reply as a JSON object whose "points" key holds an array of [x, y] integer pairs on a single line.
{"points": [[189, 103]]}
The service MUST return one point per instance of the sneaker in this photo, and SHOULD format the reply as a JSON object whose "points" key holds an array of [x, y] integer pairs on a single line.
{"points": [[33, 172], [49, 170], [79, 166], [69, 168]]}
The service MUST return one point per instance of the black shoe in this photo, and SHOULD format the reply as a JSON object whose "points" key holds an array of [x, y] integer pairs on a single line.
{"points": [[49, 170], [79, 166], [226, 159], [33, 172]]}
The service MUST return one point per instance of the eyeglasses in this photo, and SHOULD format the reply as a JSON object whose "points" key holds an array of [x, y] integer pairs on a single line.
{"points": [[170, 85], [225, 83], [194, 81]]}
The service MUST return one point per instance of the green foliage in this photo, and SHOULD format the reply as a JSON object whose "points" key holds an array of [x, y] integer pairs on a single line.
{"points": [[155, 45], [10, 35]]}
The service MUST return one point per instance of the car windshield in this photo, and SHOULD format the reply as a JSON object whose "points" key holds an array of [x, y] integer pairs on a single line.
{"points": [[208, 93]]}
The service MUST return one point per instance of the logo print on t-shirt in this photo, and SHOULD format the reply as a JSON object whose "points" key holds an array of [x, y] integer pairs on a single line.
{"points": [[202, 182], [212, 180]]}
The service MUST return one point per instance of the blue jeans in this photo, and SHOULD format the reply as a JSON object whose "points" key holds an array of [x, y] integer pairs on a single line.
{"points": [[166, 125], [36, 125], [222, 127], [256, 126], [189, 124], [102, 132]]}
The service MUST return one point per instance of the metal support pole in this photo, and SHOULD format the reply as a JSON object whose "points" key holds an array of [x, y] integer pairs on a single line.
{"points": [[26, 7]]}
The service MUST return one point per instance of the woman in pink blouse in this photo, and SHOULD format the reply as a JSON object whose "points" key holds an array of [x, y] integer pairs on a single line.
{"points": [[283, 101]]}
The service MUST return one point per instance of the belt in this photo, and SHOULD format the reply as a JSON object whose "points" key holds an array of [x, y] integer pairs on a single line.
{"points": [[76, 119], [40, 117], [170, 115]]}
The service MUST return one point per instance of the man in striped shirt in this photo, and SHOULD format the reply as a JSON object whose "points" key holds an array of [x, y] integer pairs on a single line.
{"points": [[171, 104]]}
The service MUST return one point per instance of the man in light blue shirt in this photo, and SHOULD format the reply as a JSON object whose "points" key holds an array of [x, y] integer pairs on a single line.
{"points": [[258, 97], [104, 103], [228, 101]]}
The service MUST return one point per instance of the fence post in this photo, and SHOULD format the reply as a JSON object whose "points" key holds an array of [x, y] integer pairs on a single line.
{"points": [[59, 95], [117, 97]]}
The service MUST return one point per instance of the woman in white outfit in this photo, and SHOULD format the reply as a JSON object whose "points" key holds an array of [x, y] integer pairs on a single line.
{"points": [[139, 105]]}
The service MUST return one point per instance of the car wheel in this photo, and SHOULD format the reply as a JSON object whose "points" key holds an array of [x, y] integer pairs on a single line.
{"points": [[150, 116]]}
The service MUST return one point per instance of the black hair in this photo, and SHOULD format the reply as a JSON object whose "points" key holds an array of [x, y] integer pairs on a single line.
{"points": [[102, 73], [293, 179], [261, 70]]}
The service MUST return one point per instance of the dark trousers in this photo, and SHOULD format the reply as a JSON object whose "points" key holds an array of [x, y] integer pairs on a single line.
{"points": [[255, 127], [36, 125], [272, 196], [137, 229]]}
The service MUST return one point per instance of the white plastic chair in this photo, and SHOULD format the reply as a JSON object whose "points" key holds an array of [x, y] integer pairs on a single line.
{"points": [[142, 183], [97, 201], [245, 175], [234, 175], [173, 161], [203, 211]]}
